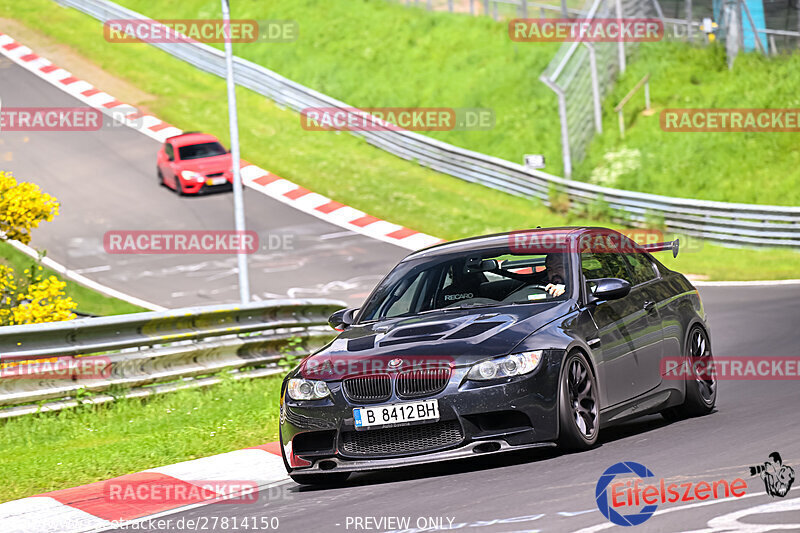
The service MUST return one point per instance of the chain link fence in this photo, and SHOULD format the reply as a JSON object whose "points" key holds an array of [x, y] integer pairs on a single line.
{"points": [[582, 74]]}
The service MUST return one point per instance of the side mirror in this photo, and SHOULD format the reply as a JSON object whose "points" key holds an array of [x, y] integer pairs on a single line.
{"points": [[343, 318], [608, 288]]}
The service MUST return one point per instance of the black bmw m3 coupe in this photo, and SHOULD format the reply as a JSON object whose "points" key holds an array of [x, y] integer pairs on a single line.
{"points": [[503, 342]]}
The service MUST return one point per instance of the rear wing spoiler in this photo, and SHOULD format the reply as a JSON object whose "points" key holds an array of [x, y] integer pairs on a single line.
{"points": [[662, 246]]}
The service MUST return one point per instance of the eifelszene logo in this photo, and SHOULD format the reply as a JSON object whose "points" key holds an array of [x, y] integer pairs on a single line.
{"points": [[615, 497]]}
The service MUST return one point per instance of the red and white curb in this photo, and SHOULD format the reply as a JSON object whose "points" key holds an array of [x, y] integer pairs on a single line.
{"points": [[254, 177], [90, 507]]}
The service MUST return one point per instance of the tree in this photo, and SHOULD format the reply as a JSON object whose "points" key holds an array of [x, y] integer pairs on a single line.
{"points": [[29, 297]]}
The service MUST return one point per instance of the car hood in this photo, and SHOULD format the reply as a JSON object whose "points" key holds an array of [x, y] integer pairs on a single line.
{"points": [[457, 336]]}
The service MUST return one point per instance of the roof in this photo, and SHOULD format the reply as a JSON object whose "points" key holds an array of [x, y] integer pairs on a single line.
{"points": [[484, 242], [192, 137]]}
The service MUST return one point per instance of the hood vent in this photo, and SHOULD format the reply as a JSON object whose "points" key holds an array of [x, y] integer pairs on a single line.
{"points": [[474, 329], [361, 343], [409, 340]]}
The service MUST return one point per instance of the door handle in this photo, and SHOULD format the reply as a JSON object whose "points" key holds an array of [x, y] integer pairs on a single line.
{"points": [[648, 305]]}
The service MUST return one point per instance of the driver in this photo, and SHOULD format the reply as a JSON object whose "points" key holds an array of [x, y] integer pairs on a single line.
{"points": [[555, 274]]}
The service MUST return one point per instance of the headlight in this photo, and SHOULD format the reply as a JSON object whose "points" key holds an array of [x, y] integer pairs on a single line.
{"points": [[511, 365], [191, 175], [307, 389]]}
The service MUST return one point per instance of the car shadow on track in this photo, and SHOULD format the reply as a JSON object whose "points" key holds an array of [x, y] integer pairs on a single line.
{"points": [[637, 428]]}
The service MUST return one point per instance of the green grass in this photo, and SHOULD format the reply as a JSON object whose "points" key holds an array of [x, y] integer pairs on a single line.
{"points": [[89, 302], [411, 57], [339, 165], [53, 451], [374, 53], [751, 167]]}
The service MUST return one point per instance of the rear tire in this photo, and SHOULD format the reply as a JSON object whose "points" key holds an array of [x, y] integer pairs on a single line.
{"points": [[701, 391], [329, 480], [160, 177], [579, 412]]}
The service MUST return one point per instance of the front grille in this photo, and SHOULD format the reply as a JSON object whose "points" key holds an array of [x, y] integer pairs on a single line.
{"points": [[373, 388], [423, 382], [405, 439], [215, 175]]}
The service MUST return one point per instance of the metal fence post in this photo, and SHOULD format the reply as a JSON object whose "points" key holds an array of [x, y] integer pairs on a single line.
{"points": [[450, 5], [486, 7], [620, 44], [562, 116], [471, 7], [598, 116], [689, 28], [564, 12], [430, 5], [524, 9]]}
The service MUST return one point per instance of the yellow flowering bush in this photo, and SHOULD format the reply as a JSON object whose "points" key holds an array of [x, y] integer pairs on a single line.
{"points": [[22, 207], [28, 298]]}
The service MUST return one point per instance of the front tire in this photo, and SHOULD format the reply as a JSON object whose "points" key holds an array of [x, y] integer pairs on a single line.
{"points": [[701, 390], [579, 412]]}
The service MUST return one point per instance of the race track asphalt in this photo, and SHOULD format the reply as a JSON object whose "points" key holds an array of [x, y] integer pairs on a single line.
{"points": [[549, 491], [106, 180]]}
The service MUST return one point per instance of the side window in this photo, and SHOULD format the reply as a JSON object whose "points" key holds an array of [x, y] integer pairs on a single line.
{"points": [[604, 265], [642, 268], [169, 151]]}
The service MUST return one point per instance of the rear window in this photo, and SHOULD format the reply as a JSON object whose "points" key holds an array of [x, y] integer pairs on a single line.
{"points": [[197, 151]]}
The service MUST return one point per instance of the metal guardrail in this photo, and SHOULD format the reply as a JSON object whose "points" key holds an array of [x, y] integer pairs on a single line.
{"points": [[727, 223], [150, 353]]}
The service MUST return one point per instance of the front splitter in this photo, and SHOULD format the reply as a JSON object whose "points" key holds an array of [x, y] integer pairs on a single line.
{"points": [[336, 464]]}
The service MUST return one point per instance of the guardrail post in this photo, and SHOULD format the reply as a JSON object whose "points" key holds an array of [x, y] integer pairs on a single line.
{"points": [[450, 5], [524, 6], [689, 28], [486, 7]]}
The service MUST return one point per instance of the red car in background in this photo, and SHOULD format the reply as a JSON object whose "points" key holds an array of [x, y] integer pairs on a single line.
{"points": [[193, 163]]}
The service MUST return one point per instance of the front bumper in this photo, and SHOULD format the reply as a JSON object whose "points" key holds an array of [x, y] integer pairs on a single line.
{"points": [[195, 187], [514, 413]]}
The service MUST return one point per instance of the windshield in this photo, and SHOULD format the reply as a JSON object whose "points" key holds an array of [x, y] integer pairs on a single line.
{"points": [[197, 151], [469, 281]]}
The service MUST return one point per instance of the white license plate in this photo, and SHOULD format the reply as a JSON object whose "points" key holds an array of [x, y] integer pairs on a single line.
{"points": [[215, 181], [396, 414]]}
